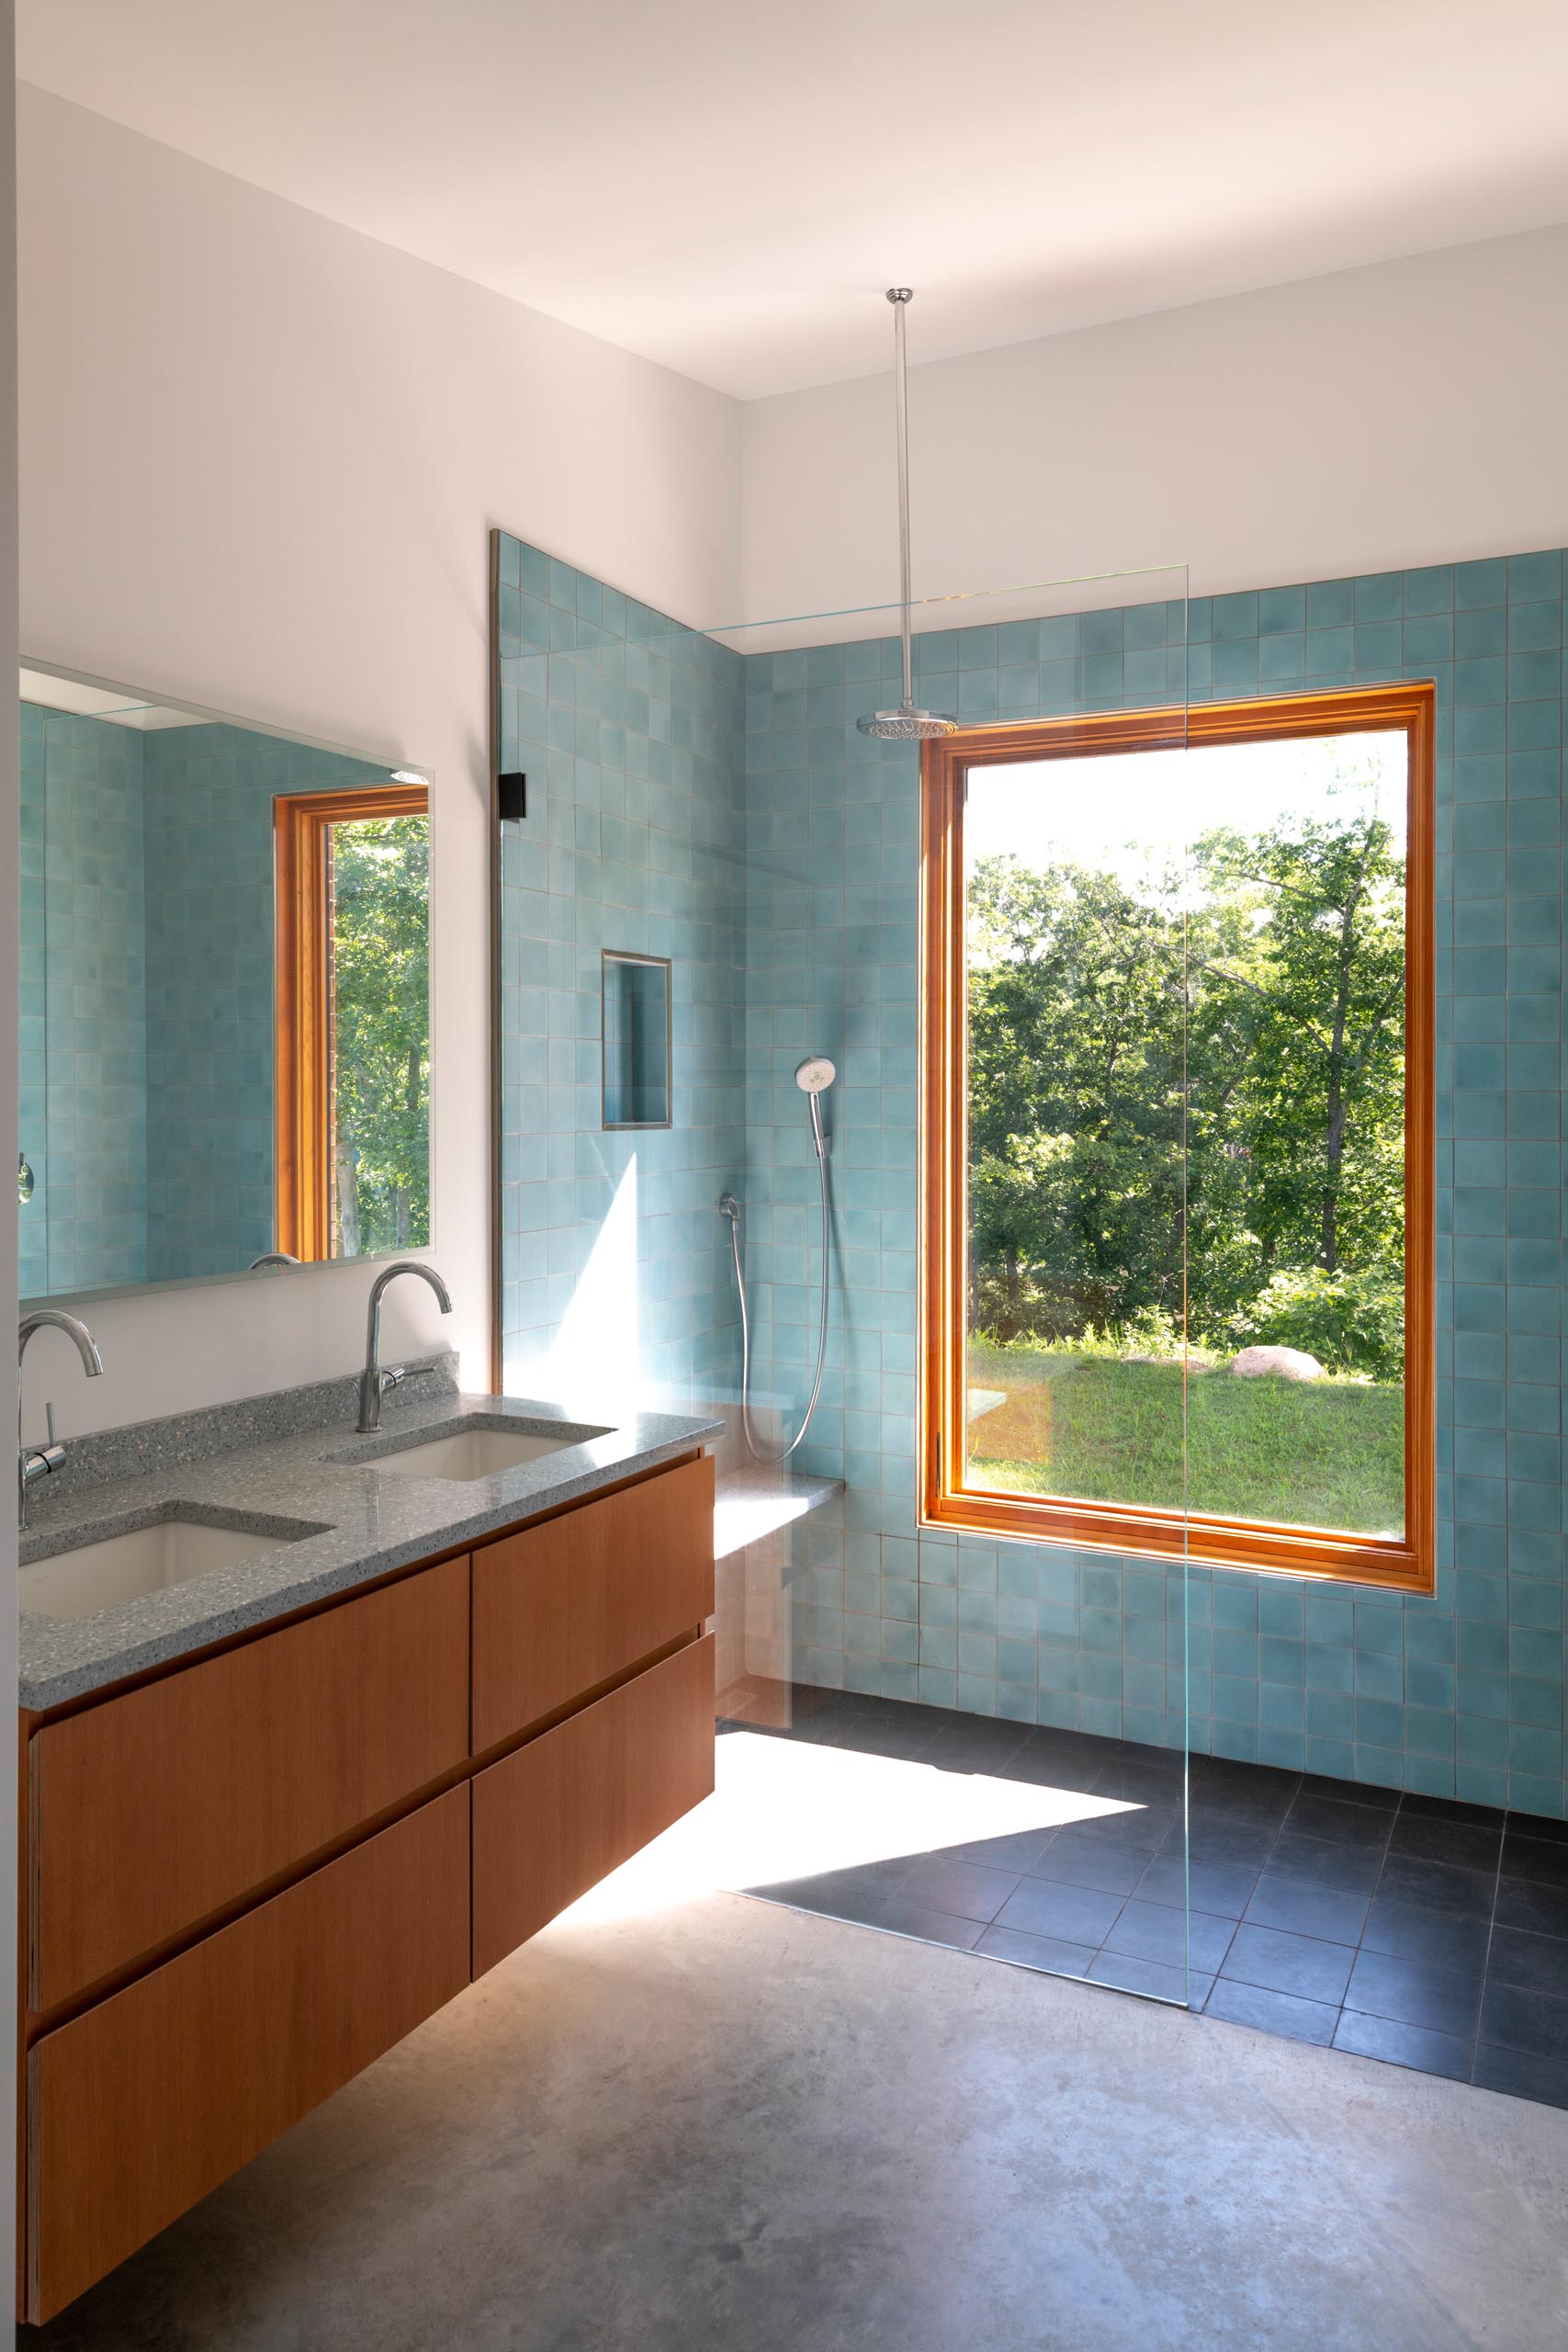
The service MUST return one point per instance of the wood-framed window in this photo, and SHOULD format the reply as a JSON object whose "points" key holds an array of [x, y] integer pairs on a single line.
{"points": [[319, 1213], [1178, 1105]]}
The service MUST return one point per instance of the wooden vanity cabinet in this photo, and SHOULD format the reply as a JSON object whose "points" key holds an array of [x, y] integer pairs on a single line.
{"points": [[563, 1812], [146, 2101], [561, 1607], [247, 1877], [151, 1812]]}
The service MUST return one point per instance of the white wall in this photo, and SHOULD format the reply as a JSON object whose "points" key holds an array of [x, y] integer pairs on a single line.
{"points": [[260, 454], [1380, 418]]}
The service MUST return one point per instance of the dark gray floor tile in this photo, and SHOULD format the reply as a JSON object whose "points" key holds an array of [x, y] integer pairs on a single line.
{"points": [[1144, 1828], [903, 1917], [1260, 1782], [1254, 1816], [1522, 1903], [1151, 1977], [1282, 2013], [1222, 1889], [1071, 1772], [869, 1726], [821, 1715], [842, 1895], [1075, 1860], [1439, 1886], [873, 1738], [1433, 1840], [1415, 1992], [1521, 2021], [1353, 1824], [1142, 1751], [1399, 2044], [1537, 1963], [1537, 1825], [1235, 1842], [1479, 1816], [1136, 1784], [1329, 1861], [1151, 1931], [1543, 1860], [1306, 1909], [1542, 2079], [1286, 1964], [1320, 1784], [1018, 1850], [1076, 1915], [1046, 1952], [1446, 1938], [985, 1749], [967, 1890]]}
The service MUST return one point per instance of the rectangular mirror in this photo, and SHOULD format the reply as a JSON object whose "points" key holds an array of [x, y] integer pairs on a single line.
{"points": [[225, 996], [637, 1040]]}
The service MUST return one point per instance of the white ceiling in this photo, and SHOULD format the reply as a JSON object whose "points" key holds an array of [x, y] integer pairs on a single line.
{"points": [[727, 187]]}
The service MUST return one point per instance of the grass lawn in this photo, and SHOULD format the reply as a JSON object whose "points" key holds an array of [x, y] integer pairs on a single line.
{"points": [[1318, 1453]]}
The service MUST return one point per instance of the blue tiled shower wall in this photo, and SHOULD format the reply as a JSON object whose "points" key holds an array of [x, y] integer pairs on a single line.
{"points": [[208, 793], [146, 977], [807, 935], [627, 727], [83, 1102]]}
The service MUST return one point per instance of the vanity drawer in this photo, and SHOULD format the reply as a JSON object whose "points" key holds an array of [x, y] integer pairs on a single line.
{"points": [[561, 1607], [141, 2105], [551, 1819], [153, 1810]]}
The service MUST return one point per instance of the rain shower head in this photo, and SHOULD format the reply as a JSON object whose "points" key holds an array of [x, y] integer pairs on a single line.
{"points": [[906, 724], [815, 1073]]}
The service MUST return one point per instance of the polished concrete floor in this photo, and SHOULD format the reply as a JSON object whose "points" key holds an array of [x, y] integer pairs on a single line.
{"points": [[680, 2120]]}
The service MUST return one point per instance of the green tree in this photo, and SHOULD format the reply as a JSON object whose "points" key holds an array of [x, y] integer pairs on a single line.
{"points": [[1209, 1067], [1317, 1011], [381, 1033], [1076, 1118]]}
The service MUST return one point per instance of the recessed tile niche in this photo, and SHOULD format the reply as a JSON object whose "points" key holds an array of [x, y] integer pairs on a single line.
{"points": [[637, 1040]]}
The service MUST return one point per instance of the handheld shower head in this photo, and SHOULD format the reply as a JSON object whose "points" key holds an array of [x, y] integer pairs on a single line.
{"points": [[814, 1076]]}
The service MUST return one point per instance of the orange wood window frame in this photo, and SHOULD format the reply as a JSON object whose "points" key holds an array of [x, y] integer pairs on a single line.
{"points": [[302, 1025], [947, 1500]]}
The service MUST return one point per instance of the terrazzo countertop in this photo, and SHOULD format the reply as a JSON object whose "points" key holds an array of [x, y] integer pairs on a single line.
{"points": [[339, 1522]]}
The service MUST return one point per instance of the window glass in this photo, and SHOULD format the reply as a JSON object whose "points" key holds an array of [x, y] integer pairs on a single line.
{"points": [[378, 981]]}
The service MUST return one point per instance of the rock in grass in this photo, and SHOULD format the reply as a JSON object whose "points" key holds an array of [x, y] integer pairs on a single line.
{"points": [[1285, 1364]]}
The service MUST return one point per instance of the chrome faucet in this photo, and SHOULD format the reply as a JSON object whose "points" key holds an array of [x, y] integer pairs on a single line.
{"points": [[373, 1381], [271, 1258], [35, 1461]]}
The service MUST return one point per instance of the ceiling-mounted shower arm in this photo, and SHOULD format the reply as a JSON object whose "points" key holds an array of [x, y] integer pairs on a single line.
{"points": [[905, 725], [900, 297]]}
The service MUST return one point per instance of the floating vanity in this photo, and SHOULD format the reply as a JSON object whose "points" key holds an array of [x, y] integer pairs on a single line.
{"points": [[315, 1730]]}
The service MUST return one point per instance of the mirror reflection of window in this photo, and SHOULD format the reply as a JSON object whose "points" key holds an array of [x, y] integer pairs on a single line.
{"points": [[354, 1023]]}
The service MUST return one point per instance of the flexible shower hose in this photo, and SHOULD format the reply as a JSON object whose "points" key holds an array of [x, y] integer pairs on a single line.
{"points": [[757, 1452]]}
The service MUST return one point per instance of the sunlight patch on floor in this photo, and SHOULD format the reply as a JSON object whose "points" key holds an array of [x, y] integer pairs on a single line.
{"points": [[787, 1809]]}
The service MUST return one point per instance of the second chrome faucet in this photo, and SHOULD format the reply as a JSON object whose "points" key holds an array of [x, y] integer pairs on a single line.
{"points": [[37, 1461], [373, 1381]]}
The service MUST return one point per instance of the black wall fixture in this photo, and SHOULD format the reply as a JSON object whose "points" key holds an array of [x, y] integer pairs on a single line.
{"points": [[512, 796]]}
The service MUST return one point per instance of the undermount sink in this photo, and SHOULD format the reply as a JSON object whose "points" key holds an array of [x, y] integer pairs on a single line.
{"points": [[476, 1454], [91, 1576]]}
